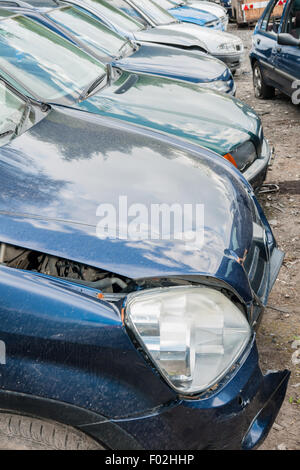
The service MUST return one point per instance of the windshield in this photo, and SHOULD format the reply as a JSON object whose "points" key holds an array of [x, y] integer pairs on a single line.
{"points": [[118, 18], [12, 111], [167, 4], [42, 61], [158, 15], [91, 32]]}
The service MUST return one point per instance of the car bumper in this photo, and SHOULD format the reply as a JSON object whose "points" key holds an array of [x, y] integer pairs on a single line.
{"points": [[257, 172], [237, 416], [233, 61]]}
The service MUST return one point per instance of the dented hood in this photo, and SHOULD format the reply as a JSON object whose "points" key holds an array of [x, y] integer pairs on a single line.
{"points": [[54, 177], [208, 38], [168, 36]]}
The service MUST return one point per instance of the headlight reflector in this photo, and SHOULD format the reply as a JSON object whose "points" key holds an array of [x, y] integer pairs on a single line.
{"points": [[227, 46], [244, 155], [193, 334]]}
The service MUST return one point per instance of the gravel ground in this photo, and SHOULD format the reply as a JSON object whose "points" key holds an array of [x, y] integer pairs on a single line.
{"points": [[281, 323]]}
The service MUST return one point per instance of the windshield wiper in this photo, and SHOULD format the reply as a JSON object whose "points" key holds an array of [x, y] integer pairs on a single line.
{"points": [[4, 134], [93, 85], [24, 118]]}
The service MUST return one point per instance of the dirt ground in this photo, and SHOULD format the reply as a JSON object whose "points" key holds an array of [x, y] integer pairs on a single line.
{"points": [[281, 323]]}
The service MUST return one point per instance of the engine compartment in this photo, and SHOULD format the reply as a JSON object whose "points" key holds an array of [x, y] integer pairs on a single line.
{"points": [[34, 261]]}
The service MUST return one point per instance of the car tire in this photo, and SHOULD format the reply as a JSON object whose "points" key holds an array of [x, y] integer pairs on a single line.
{"points": [[261, 90], [25, 433]]}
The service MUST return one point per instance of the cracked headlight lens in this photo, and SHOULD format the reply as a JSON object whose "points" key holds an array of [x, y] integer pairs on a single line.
{"points": [[192, 334], [244, 155]]}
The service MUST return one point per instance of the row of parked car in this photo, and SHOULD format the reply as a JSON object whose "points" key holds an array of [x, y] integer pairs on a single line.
{"points": [[111, 342]]}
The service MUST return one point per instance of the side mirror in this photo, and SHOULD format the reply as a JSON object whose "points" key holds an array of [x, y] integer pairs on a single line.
{"points": [[285, 39]]}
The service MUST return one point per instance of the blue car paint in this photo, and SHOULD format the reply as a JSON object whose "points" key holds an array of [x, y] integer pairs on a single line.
{"points": [[199, 17], [69, 356], [163, 61], [280, 65]]}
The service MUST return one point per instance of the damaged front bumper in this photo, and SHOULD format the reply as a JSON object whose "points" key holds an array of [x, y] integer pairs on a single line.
{"points": [[233, 61], [257, 172], [237, 415]]}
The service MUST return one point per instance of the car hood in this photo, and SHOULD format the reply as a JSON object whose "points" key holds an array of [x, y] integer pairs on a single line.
{"points": [[173, 63], [210, 38], [214, 9], [54, 177], [167, 35], [200, 115], [200, 17]]}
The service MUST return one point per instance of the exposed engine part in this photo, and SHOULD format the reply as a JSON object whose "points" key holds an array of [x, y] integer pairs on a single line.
{"points": [[20, 258], [113, 286]]}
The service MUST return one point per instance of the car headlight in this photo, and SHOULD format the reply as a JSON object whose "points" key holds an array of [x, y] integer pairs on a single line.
{"points": [[193, 334], [244, 155], [228, 47], [219, 85]]}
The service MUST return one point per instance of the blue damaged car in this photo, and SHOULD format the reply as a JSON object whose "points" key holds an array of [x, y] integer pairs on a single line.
{"points": [[109, 47], [111, 341]]}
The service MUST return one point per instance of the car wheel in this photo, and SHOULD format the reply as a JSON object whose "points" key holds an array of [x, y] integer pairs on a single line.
{"points": [[261, 90], [25, 433]]}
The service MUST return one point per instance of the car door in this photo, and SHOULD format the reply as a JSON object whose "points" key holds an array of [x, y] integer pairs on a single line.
{"points": [[265, 40], [287, 60]]}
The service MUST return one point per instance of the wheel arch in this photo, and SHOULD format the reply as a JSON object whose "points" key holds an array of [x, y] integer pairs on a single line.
{"points": [[94, 425]]}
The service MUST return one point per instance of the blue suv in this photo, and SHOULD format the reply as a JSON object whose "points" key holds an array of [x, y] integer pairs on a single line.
{"points": [[275, 55]]}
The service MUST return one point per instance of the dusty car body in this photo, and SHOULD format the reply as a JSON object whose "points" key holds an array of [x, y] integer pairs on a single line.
{"points": [[109, 47], [69, 298]]}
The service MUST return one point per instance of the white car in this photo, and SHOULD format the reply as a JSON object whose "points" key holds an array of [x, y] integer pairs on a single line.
{"points": [[222, 45]]}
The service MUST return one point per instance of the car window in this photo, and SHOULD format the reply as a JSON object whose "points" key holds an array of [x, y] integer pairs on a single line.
{"points": [[46, 64], [292, 21], [158, 15], [116, 16], [272, 20], [166, 4], [12, 109], [129, 10], [90, 32]]}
